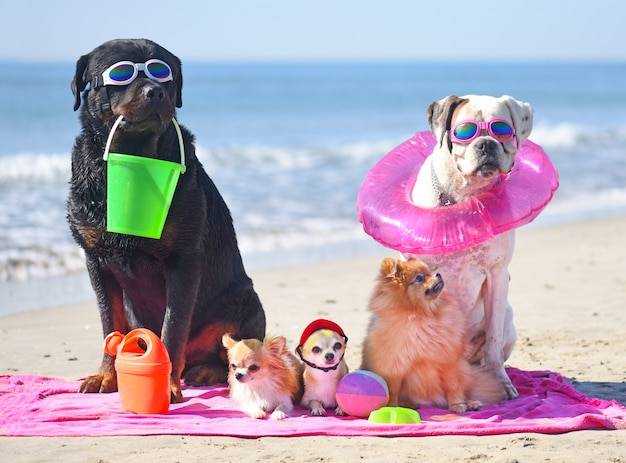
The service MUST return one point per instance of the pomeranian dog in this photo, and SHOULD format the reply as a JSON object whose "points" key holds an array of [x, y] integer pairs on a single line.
{"points": [[417, 343], [322, 348], [264, 377]]}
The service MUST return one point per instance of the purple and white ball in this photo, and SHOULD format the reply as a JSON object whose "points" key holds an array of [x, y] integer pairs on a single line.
{"points": [[361, 392]]}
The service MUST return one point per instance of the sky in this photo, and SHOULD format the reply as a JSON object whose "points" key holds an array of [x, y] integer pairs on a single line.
{"points": [[321, 30]]}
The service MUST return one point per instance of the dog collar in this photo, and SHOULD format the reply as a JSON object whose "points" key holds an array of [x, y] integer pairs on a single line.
{"points": [[312, 365], [443, 198]]}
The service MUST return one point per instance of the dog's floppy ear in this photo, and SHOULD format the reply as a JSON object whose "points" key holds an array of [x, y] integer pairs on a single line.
{"points": [[176, 65], [80, 80], [521, 116], [178, 78], [179, 88], [440, 116]]}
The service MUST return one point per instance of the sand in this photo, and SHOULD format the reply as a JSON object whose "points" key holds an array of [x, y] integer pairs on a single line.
{"points": [[568, 291]]}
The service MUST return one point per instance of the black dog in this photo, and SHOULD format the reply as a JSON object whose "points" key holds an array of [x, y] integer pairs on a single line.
{"points": [[190, 285]]}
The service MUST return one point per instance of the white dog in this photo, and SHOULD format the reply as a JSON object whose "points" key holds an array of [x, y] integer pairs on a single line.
{"points": [[477, 139]]}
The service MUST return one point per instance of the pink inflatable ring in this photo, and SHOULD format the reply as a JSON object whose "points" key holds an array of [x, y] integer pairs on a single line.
{"points": [[385, 209]]}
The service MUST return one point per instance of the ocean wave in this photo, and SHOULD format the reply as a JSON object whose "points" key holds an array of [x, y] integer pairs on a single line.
{"points": [[56, 167], [567, 136], [38, 168], [35, 168], [288, 158], [261, 236], [572, 202], [560, 136], [40, 260], [284, 198]]}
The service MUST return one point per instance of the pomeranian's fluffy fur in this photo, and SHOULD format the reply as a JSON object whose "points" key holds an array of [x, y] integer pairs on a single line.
{"points": [[264, 377], [417, 343], [323, 354]]}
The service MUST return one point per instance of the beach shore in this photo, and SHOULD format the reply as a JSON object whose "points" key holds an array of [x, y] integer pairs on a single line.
{"points": [[568, 291]]}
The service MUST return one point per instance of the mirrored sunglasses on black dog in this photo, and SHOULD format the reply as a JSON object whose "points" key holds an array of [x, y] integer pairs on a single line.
{"points": [[124, 72]]}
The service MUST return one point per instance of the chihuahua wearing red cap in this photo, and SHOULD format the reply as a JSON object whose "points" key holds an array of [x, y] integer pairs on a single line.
{"points": [[322, 348]]}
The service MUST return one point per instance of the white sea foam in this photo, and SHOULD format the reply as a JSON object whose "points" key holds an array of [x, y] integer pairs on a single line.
{"points": [[288, 158], [284, 197], [567, 136], [34, 168], [27, 167]]}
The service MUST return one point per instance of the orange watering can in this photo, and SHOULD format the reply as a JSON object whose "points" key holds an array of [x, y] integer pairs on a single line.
{"points": [[143, 369]]}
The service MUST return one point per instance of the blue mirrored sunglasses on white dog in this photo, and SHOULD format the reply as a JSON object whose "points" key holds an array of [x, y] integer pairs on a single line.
{"points": [[124, 72], [466, 131]]}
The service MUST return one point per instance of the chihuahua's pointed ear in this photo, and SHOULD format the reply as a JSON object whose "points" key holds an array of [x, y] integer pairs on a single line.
{"points": [[228, 341], [80, 81], [276, 344], [440, 117]]}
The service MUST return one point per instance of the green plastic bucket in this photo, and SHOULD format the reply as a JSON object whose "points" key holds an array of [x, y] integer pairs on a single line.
{"points": [[140, 191]]}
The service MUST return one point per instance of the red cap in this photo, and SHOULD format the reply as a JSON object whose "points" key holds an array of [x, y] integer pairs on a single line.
{"points": [[320, 324]]}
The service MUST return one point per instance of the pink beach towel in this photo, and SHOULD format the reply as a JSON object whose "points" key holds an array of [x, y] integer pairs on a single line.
{"points": [[37, 406]]}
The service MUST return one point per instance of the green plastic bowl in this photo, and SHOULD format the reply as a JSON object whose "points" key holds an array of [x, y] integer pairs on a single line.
{"points": [[395, 415]]}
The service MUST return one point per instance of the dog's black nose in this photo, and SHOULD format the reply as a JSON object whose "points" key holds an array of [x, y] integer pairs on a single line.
{"points": [[486, 145], [153, 92], [329, 356], [238, 376]]}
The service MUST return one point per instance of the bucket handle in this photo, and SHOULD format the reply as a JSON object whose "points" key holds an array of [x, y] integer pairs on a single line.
{"points": [[181, 143], [110, 137]]}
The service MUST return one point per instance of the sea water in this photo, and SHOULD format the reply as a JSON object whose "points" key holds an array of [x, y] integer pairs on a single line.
{"points": [[288, 145]]}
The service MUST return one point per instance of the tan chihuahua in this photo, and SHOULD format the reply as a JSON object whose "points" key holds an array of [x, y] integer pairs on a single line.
{"points": [[322, 348], [264, 377]]}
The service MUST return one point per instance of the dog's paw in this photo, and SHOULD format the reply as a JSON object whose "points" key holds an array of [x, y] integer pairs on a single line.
{"points": [[205, 375], [176, 395], [99, 383], [318, 411], [468, 405], [316, 407], [257, 413], [340, 412], [509, 390], [278, 415], [458, 408], [282, 411], [474, 405]]}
